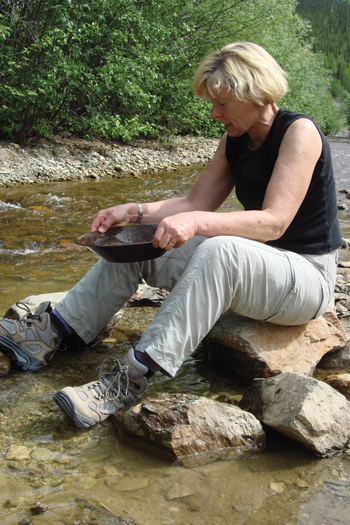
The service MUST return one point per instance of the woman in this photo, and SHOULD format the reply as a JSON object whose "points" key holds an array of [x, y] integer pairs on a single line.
{"points": [[275, 261]]}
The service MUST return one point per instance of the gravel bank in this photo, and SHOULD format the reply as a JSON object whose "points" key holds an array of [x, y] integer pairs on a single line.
{"points": [[64, 159]]}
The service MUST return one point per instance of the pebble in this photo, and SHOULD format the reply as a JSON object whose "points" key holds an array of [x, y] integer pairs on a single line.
{"points": [[178, 491], [5, 365], [302, 484], [38, 508], [42, 454], [277, 487], [87, 483], [342, 290], [134, 483], [17, 453], [13, 502]]}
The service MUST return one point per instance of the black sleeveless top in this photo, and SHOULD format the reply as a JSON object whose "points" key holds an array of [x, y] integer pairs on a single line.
{"points": [[314, 229]]}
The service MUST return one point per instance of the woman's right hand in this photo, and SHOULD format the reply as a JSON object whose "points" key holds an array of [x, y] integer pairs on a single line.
{"points": [[115, 216]]}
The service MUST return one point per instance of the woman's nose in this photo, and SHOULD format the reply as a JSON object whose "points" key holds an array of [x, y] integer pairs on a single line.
{"points": [[215, 112]]}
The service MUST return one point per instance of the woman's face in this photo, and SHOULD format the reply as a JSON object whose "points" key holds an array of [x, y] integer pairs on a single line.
{"points": [[238, 117]]}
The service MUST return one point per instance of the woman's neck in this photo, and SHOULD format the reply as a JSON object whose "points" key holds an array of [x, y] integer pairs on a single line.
{"points": [[261, 128]]}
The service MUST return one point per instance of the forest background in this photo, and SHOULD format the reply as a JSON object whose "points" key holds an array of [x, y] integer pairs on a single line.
{"points": [[121, 69]]}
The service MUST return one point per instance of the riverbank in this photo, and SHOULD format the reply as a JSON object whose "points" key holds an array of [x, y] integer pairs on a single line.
{"points": [[69, 159], [64, 159]]}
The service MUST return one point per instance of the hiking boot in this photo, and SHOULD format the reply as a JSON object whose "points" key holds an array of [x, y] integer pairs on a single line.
{"points": [[116, 389], [30, 341]]}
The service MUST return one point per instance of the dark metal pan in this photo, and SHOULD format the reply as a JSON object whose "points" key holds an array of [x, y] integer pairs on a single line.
{"points": [[131, 243]]}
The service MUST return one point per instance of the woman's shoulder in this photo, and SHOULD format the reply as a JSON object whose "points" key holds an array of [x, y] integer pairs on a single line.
{"points": [[299, 121], [291, 120], [285, 118]]}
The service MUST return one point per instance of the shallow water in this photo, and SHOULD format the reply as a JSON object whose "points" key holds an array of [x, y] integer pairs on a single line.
{"points": [[92, 476]]}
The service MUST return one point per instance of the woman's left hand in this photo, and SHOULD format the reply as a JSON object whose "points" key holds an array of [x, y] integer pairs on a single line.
{"points": [[176, 230]]}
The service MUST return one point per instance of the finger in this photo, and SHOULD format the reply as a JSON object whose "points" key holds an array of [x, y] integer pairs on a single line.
{"points": [[158, 236], [167, 242], [105, 224], [96, 223], [104, 221], [165, 236]]}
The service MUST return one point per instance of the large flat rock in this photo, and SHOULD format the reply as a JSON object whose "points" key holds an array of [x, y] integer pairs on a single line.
{"points": [[251, 349]]}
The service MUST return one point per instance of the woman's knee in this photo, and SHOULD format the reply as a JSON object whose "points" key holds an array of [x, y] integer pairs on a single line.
{"points": [[215, 247]]}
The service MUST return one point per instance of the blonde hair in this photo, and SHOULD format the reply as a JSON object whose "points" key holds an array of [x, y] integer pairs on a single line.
{"points": [[244, 68]]}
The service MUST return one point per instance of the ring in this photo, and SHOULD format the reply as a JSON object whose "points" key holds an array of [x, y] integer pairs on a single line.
{"points": [[171, 244]]}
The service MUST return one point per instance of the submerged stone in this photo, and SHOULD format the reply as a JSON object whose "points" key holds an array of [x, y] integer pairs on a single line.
{"points": [[17, 453], [5, 365], [336, 360], [192, 430], [340, 382]]}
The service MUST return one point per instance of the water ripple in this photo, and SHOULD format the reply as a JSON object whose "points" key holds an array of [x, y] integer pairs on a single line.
{"points": [[6, 205]]}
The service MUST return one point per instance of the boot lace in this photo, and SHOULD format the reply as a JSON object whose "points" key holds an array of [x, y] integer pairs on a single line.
{"points": [[113, 380], [28, 318]]}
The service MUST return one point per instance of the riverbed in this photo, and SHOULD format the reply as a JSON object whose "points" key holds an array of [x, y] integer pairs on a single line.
{"points": [[51, 472]]}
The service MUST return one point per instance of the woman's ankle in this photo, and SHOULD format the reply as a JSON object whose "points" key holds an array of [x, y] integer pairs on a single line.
{"points": [[146, 360]]}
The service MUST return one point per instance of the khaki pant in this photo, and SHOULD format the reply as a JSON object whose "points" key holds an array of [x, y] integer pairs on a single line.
{"points": [[206, 277]]}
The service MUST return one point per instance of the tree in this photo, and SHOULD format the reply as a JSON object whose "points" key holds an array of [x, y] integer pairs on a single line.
{"points": [[118, 69]]}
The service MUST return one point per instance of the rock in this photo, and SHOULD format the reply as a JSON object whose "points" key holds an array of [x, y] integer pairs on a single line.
{"points": [[16, 502], [148, 296], [42, 454], [302, 408], [87, 482], [252, 349], [336, 360], [17, 453], [192, 430], [5, 365], [90, 512], [342, 291], [277, 487], [342, 309], [178, 491], [341, 383], [39, 508], [33, 301], [132, 484]]}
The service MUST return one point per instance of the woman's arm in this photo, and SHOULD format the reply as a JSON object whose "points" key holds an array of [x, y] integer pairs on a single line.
{"points": [[208, 193]]}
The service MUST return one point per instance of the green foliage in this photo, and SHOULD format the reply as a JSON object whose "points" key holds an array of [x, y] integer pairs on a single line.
{"points": [[330, 20], [118, 69]]}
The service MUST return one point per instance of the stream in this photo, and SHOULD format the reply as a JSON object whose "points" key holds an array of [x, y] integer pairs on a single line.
{"points": [[53, 473]]}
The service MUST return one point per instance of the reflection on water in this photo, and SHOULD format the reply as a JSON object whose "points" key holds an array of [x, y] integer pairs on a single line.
{"points": [[91, 476]]}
